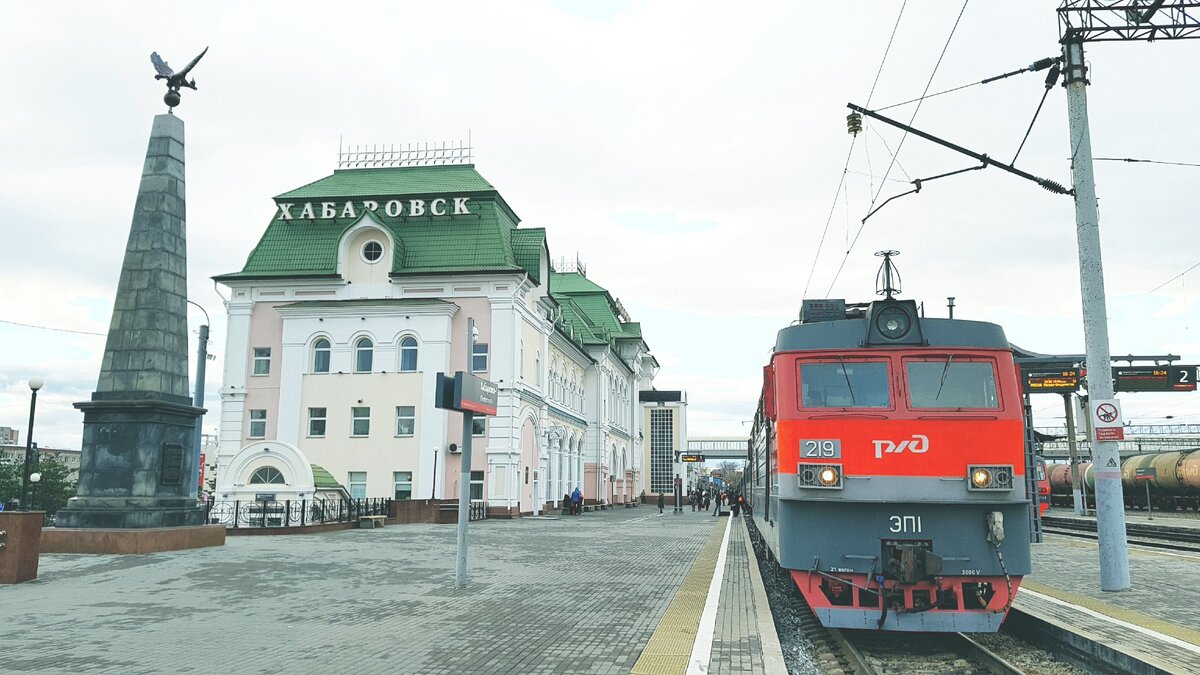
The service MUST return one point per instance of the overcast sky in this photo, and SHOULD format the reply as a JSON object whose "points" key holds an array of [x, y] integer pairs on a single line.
{"points": [[689, 152]]}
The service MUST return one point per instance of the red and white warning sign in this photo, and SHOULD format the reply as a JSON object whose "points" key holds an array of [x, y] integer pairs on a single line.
{"points": [[1107, 423]]}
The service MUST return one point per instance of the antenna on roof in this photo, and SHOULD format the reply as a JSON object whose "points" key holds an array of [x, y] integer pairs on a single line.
{"points": [[412, 154]]}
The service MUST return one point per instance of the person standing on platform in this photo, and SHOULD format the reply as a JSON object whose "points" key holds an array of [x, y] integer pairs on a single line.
{"points": [[577, 501], [661, 502], [717, 505], [567, 510], [735, 505]]}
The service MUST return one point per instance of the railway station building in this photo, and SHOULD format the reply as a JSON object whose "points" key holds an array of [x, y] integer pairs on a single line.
{"points": [[360, 291]]}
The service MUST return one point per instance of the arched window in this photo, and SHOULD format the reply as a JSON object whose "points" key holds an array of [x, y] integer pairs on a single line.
{"points": [[408, 355], [363, 353], [267, 475], [320, 356]]}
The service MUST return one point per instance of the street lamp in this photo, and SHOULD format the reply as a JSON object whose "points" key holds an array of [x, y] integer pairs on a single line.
{"points": [[34, 479], [34, 385]]}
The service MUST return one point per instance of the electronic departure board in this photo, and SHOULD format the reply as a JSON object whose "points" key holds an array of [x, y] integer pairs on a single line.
{"points": [[1061, 380], [1154, 378]]}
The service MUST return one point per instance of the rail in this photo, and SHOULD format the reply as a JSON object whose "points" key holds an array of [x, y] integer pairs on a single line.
{"points": [[1156, 536], [292, 512]]}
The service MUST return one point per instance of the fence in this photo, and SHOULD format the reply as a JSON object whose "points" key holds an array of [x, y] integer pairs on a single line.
{"points": [[292, 513]]}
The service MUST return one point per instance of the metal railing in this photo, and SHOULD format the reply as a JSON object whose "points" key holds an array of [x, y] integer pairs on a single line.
{"points": [[292, 513]]}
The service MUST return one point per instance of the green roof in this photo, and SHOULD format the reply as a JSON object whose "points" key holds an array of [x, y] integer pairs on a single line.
{"points": [[589, 312], [527, 250], [393, 181], [323, 480], [485, 240]]}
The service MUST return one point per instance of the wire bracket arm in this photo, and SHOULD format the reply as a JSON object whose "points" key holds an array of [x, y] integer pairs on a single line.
{"points": [[1046, 183]]}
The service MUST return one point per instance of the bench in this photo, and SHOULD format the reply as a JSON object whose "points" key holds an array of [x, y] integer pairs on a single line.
{"points": [[370, 522]]}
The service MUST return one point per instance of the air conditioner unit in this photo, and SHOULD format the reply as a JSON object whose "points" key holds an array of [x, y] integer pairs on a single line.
{"points": [[453, 449]]}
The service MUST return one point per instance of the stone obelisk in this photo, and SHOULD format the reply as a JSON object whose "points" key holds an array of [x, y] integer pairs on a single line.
{"points": [[138, 428]]}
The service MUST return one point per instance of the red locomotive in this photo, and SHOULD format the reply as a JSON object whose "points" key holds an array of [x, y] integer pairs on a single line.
{"points": [[887, 466]]}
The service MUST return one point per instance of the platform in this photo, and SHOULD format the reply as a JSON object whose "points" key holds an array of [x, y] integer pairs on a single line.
{"points": [[551, 595], [1157, 621]]}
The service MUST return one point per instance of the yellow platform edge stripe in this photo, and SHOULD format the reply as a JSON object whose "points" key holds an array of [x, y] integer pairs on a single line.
{"points": [[670, 646]]}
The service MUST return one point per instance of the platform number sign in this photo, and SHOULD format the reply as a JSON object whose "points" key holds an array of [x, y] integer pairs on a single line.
{"points": [[1154, 378]]}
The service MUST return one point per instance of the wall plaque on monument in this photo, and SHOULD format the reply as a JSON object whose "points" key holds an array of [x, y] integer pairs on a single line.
{"points": [[139, 425]]}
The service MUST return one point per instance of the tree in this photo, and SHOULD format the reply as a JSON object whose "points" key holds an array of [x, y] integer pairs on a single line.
{"points": [[731, 473], [49, 494]]}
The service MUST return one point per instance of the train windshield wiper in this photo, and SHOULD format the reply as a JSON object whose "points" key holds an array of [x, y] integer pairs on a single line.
{"points": [[846, 375], [945, 371]]}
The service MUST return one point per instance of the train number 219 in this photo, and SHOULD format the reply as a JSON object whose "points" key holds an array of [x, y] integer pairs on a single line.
{"points": [[821, 449], [905, 523]]}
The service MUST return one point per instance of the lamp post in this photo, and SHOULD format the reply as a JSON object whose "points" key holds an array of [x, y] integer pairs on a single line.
{"points": [[34, 385], [34, 479]]}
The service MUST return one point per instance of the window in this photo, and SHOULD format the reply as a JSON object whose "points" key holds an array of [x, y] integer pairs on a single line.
{"points": [[951, 383], [662, 450], [478, 426], [408, 355], [845, 384], [479, 357], [267, 475], [321, 356], [476, 485], [363, 353], [372, 251], [316, 422], [360, 421], [258, 424], [406, 420], [403, 484], [357, 483], [262, 361]]}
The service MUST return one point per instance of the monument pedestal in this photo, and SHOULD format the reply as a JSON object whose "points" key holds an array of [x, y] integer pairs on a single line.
{"points": [[136, 541]]}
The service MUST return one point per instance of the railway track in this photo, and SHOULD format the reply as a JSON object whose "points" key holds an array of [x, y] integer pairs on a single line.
{"points": [[1154, 536], [873, 653]]}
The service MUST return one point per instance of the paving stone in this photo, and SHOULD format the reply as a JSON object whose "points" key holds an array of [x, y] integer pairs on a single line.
{"points": [[573, 595]]}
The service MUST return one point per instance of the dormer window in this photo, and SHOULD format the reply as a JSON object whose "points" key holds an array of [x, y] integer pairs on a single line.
{"points": [[372, 252]]}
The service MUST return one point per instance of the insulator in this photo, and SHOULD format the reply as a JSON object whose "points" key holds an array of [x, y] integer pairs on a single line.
{"points": [[1041, 64], [853, 123], [1054, 187], [1052, 76]]}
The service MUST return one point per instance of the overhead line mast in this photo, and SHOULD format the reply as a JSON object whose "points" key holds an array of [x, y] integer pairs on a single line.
{"points": [[1083, 21]]}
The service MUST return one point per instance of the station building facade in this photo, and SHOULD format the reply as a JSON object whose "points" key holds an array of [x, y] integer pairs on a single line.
{"points": [[359, 292]]}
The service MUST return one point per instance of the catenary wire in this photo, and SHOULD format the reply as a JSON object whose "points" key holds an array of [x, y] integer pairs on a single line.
{"points": [[849, 154], [60, 330], [900, 145], [1141, 161]]}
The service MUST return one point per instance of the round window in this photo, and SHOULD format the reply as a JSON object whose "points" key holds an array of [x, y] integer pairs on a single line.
{"points": [[372, 251]]}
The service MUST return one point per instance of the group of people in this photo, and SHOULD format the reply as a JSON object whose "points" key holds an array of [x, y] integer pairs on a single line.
{"points": [[572, 503], [701, 499]]}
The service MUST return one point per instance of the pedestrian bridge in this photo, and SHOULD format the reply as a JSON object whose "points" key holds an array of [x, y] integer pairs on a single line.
{"points": [[718, 447]]}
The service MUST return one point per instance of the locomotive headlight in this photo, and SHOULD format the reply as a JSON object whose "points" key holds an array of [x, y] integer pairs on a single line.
{"points": [[893, 323], [981, 478], [828, 476]]}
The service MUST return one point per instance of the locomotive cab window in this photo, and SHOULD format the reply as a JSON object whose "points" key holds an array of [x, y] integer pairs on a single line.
{"points": [[845, 384], [951, 382]]}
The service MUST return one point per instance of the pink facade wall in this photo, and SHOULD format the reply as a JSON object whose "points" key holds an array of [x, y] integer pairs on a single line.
{"points": [[262, 392]]}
